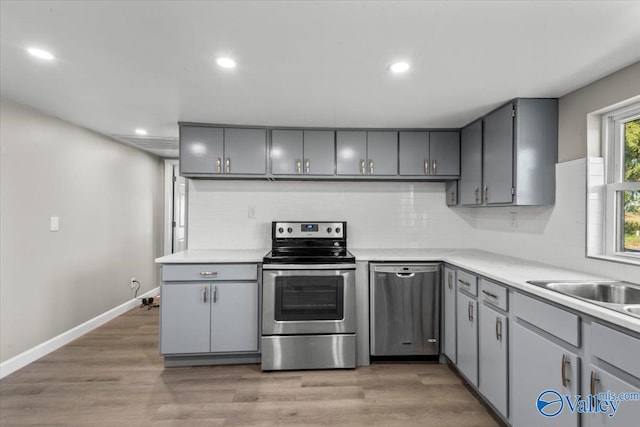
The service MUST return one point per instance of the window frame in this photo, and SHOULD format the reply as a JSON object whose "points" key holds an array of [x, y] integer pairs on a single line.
{"points": [[613, 145]]}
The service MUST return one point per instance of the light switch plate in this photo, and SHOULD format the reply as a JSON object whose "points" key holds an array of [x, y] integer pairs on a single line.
{"points": [[54, 223]]}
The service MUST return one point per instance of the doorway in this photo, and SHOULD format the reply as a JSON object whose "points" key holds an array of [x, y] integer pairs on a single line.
{"points": [[175, 208]]}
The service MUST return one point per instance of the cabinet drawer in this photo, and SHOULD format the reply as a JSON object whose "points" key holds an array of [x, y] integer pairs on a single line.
{"points": [[493, 294], [208, 272], [616, 348], [553, 320], [467, 282]]}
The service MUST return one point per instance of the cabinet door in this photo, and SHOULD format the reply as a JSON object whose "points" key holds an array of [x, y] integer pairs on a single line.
{"points": [[470, 189], [382, 153], [450, 314], [467, 337], [627, 414], [201, 149], [234, 317], [352, 152], [286, 152], [319, 152], [538, 365], [184, 318], [414, 153], [245, 151], [497, 166], [444, 153], [493, 357]]}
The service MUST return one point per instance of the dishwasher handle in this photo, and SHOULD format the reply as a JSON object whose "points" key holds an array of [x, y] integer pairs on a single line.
{"points": [[399, 269], [405, 275]]}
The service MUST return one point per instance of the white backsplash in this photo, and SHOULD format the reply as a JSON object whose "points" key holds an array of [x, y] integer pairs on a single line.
{"points": [[379, 214], [401, 215]]}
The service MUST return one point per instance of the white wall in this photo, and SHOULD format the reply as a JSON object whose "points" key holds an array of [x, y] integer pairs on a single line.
{"points": [[109, 200], [379, 214]]}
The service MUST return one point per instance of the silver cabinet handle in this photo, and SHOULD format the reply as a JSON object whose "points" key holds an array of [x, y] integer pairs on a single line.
{"points": [[489, 294], [307, 166], [470, 312], [214, 294], [218, 165], [450, 279], [227, 165], [204, 294], [498, 329], [370, 167], [453, 197], [362, 167], [426, 167], [477, 191], [464, 282], [435, 168], [298, 166], [208, 273], [563, 372], [486, 194], [594, 379]]}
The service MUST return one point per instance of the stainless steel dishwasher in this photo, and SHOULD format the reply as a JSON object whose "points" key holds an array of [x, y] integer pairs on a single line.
{"points": [[404, 309]]}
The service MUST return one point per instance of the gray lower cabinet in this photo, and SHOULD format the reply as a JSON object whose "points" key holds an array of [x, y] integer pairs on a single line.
{"points": [[362, 153], [627, 413], [470, 183], [449, 291], [539, 364], [467, 336], [209, 308], [218, 152], [302, 152], [493, 349]]}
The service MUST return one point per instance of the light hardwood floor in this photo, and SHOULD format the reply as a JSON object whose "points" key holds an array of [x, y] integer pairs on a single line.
{"points": [[114, 376]]}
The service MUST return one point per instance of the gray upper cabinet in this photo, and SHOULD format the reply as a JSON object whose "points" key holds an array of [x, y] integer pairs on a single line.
{"points": [[319, 152], [513, 161], [245, 151], [215, 151], [382, 153], [414, 153], [286, 152], [444, 153], [201, 150], [351, 149], [298, 152], [470, 184], [497, 162], [435, 154]]}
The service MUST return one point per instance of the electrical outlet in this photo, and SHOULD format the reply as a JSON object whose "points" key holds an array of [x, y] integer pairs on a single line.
{"points": [[133, 282], [251, 212]]}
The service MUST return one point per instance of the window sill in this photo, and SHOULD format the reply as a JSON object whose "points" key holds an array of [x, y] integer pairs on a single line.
{"points": [[621, 259]]}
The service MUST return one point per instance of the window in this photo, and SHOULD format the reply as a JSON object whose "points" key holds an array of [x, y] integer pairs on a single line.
{"points": [[621, 152]]}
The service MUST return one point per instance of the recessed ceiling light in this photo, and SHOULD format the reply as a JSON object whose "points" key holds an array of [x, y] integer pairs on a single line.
{"points": [[399, 67], [141, 132], [39, 53], [226, 62]]}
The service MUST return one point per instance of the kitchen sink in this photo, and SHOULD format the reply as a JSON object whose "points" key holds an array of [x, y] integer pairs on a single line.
{"points": [[633, 309], [620, 296]]}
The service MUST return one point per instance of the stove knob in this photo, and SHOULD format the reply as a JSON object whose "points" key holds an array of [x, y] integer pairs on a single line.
{"points": [[337, 230], [280, 230], [329, 230], [289, 230]]}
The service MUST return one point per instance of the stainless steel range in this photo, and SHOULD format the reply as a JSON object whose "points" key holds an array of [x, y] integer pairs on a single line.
{"points": [[308, 316]]}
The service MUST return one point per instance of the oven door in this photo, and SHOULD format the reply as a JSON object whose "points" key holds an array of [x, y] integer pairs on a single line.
{"points": [[308, 301]]}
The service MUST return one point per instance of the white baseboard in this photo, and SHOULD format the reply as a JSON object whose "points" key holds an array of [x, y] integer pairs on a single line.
{"points": [[23, 359]]}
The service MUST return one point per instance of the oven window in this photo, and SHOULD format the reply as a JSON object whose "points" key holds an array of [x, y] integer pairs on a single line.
{"points": [[309, 298]]}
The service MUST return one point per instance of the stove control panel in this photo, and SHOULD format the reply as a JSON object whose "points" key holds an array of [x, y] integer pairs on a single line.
{"points": [[305, 230]]}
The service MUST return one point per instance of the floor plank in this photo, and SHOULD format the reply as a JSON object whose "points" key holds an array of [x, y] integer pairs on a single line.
{"points": [[115, 376]]}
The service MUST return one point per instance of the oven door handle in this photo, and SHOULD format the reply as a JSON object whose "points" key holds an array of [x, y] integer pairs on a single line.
{"points": [[308, 266]]}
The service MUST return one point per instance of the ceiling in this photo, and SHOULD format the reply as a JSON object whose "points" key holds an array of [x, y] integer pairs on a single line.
{"points": [[149, 64]]}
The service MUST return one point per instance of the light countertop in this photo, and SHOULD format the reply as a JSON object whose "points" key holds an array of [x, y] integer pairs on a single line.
{"points": [[207, 256], [511, 271]]}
